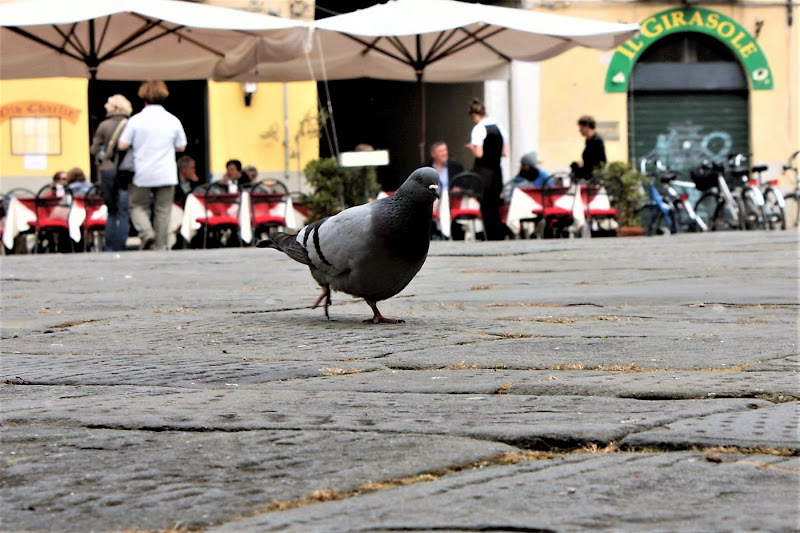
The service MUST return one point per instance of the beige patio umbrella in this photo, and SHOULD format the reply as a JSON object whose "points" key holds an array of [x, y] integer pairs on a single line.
{"points": [[439, 41], [140, 39]]}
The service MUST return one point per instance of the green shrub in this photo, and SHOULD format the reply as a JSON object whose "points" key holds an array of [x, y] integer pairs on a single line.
{"points": [[625, 186], [336, 188]]}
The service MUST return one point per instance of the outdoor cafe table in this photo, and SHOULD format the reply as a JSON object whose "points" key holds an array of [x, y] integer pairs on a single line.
{"points": [[195, 209], [21, 213], [525, 201]]}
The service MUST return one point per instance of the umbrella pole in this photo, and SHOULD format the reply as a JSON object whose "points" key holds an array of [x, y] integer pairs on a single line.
{"points": [[92, 97], [422, 117], [93, 63]]}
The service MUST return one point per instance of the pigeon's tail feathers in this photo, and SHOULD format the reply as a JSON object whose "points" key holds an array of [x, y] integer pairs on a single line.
{"points": [[287, 244]]}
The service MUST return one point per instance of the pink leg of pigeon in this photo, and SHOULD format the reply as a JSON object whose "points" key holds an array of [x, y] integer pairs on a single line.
{"points": [[378, 318], [326, 295]]}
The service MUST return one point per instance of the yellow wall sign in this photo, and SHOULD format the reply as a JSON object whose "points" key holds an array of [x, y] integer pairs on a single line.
{"points": [[695, 19], [39, 108]]}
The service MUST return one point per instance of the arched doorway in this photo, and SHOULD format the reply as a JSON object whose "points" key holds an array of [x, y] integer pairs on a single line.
{"points": [[687, 102]]}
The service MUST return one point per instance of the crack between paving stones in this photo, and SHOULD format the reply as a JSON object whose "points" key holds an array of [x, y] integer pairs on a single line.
{"points": [[459, 527], [754, 306]]}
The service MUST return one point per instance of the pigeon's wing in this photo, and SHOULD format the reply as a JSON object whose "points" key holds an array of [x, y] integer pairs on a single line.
{"points": [[338, 241]]}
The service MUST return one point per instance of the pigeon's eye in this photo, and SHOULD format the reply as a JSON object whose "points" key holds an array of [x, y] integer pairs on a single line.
{"points": [[419, 179]]}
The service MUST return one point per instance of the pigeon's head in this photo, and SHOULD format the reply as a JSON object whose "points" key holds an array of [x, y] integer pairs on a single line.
{"points": [[423, 183]]}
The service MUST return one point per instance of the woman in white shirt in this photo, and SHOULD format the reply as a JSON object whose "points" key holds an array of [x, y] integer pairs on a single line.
{"points": [[155, 135]]}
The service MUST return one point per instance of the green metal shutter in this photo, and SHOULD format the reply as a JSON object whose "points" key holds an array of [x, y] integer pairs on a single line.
{"points": [[684, 128]]}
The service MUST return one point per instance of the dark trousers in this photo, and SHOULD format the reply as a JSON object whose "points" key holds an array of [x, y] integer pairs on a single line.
{"points": [[490, 203]]}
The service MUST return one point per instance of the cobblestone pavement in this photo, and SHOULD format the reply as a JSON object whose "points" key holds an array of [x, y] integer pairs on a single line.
{"points": [[638, 384]]}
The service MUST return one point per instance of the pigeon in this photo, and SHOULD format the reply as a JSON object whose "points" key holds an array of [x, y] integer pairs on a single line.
{"points": [[371, 251]]}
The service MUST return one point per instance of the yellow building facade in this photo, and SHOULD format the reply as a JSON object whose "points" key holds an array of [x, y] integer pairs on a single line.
{"points": [[582, 82], [57, 109]]}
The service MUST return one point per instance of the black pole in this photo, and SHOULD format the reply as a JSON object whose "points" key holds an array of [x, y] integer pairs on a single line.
{"points": [[422, 116], [91, 93]]}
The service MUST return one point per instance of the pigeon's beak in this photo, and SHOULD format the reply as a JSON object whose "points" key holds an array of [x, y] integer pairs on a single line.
{"points": [[435, 189]]}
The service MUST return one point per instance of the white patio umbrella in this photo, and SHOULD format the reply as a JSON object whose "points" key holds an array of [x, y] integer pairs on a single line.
{"points": [[139, 40], [440, 41]]}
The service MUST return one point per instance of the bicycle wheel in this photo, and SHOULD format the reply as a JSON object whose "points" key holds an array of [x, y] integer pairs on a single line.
{"points": [[753, 215], [793, 209], [687, 220], [706, 209], [775, 214], [652, 220], [717, 214]]}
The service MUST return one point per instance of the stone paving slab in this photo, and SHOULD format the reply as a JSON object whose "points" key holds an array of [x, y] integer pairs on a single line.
{"points": [[525, 421], [734, 351], [773, 426], [656, 385], [367, 376], [617, 492], [63, 479], [184, 370]]}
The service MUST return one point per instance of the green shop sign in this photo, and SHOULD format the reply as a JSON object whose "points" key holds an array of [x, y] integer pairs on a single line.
{"points": [[696, 19]]}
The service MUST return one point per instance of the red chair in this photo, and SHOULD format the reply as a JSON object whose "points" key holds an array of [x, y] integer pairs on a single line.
{"points": [[266, 215], [466, 191], [557, 216], [596, 206], [94, 225], [51, 226], [221, 219]]}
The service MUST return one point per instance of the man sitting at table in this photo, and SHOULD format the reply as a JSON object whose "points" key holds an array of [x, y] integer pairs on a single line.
{"points": [[530, 175], [447, 169], [188, 179]]}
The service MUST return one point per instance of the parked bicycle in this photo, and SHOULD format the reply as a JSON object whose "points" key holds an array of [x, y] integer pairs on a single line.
{"points": [[788, 168], [717, 206], [774, 204], [668, 210], [747, 192]]}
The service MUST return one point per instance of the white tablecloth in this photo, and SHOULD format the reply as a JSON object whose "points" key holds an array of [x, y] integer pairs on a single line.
{"points": [[19, 214], [521, 207], [77, 216]]}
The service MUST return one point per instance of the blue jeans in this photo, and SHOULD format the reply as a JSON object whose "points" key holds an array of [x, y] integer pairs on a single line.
{"points": [[118, 221]]}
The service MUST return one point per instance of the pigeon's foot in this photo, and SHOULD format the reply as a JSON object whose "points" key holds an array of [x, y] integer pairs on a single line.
{"points": [[378, 318], [326, 296]]}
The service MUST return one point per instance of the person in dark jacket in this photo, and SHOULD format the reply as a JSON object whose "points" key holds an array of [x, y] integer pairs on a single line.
{"points": [[118, 108], [446, 167], [594, 153]]}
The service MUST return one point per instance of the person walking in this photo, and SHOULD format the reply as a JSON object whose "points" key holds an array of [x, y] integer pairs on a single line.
{"points": [[154, 135], [487, 144], [104, 149]]}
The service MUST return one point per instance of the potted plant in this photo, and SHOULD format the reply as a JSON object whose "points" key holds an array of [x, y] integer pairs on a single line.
{"points": [[336, 188], [625, 187]]}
